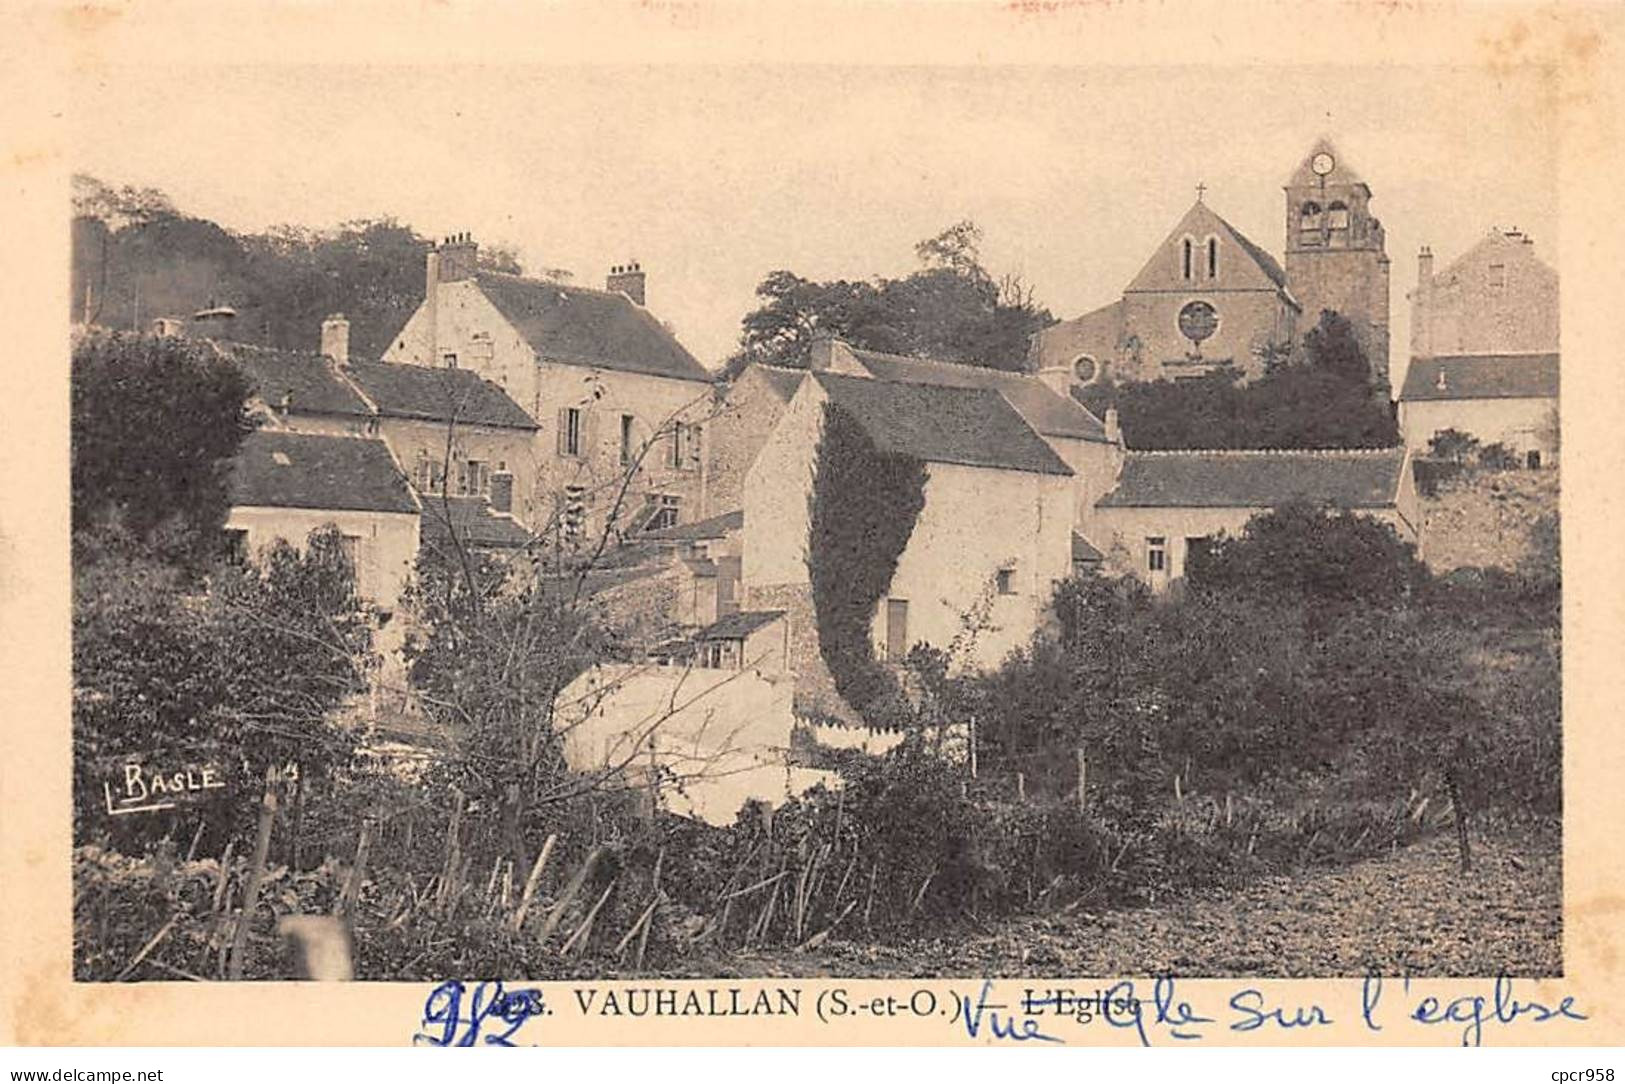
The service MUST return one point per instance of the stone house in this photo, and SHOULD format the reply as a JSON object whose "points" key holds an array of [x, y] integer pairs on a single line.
{"points": [[1165, 504], [1498, 298], [1485, 352], [421, 414], [620, 405], [994, 535], [747, 410], [283, 485], [1505, 399]]}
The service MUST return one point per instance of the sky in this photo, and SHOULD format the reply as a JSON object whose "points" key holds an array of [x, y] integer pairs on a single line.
{"points": [[712, 177]]}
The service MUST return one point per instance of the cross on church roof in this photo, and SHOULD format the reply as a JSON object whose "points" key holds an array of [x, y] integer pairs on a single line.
{"points": [[1201, 190]]}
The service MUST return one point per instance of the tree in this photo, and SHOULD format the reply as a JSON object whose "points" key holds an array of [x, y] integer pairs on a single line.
{"points": [[1453, 445], [1319, 557], [154, 425], [1321, 401], [246, 674], [1333, 348], [951, 309]]}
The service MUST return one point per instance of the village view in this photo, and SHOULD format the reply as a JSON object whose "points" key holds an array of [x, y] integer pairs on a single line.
{"points": [[440, 616]]}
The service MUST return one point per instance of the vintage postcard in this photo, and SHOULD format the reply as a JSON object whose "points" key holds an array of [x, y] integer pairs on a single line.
{"points": [[686, 523]]}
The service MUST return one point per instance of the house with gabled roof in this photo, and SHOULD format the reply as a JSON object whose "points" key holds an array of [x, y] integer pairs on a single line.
{"points": [[459, 436], [993, 536], [283, 485], [615, 396], [1166, 504], [1484, 349]]}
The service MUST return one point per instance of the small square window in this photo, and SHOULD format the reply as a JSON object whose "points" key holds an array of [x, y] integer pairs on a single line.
{"points": [[1005, 580]]}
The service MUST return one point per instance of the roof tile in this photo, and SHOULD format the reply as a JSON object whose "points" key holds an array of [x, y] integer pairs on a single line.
{"points": [[975, 427], [1229, 479], [302, 470], [589, 327]]}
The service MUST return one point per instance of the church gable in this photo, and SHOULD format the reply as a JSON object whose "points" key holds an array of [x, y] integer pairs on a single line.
{"points": [[1204, 252]]}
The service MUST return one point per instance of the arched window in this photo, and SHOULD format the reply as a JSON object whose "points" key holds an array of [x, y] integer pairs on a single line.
{"points": [[1337, 215], [1309, 218], [1189, 267], [1212, 257]]}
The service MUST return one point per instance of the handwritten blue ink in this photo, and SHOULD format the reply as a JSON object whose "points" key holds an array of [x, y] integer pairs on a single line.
{"points": [[1002, 1028], [490, 1003], [1370, 996], [1250, 1003], [1504, 1009]]}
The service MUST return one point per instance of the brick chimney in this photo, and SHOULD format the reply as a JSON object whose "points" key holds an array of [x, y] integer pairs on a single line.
{"points": [[336, 338], [1421, 306], [627, 279], [459, 257]]}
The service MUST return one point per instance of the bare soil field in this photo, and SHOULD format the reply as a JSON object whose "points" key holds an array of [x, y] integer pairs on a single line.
{"points": [[1413, 912]]}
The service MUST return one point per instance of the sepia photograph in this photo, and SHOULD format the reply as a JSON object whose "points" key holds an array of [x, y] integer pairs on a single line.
{"points": [[1010, 522], [890, 524]]}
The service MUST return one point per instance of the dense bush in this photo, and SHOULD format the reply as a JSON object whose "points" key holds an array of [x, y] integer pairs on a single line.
{"points": [[154, 424], [1325, 400]]}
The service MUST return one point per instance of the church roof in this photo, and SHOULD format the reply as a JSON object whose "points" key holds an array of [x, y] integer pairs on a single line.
{"points": [[1050, 414], [1484, 376], [1163, 271], [579, 326], [302, 470], [1306, 177], [970, 426], [1262, 479]]}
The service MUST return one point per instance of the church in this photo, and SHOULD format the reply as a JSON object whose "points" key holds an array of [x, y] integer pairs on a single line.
{"points": [[1210, 299]]}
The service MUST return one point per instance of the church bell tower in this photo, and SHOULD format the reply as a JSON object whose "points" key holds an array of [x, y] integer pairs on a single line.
{"points": [[1335, 252]]}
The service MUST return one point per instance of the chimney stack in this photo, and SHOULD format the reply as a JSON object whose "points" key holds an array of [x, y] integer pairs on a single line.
{"points": [[827, 354], [1421, 305], [627, 279], [459, 257], [336, 338], [1114, 428], [215, 322]]}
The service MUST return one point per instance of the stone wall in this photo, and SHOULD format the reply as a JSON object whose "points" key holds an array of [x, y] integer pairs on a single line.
{"points": [[815, 686], [1483, 519]]}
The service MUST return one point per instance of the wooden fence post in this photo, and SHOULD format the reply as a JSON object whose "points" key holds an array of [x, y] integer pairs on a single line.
{"points": [[256, 875]]}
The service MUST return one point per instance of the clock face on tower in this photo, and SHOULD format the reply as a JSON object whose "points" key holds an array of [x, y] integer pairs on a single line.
{"points": [[1322, 163]]}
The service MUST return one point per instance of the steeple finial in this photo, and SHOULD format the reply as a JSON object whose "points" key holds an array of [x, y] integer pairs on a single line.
{"points": [[1201, 190]]}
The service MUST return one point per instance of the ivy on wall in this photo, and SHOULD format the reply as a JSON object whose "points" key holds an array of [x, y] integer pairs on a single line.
{"points": [[862, 509]]}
